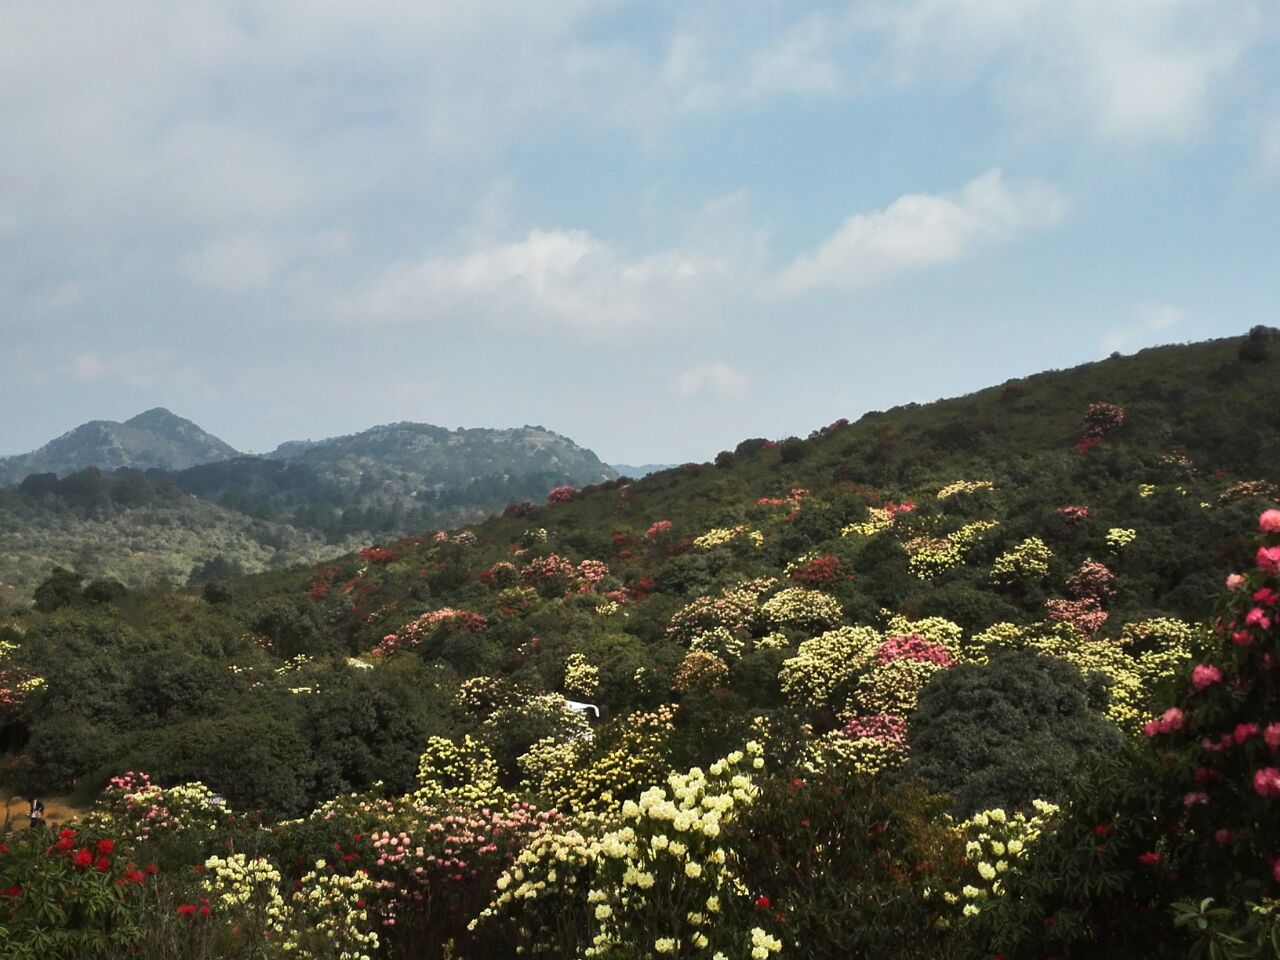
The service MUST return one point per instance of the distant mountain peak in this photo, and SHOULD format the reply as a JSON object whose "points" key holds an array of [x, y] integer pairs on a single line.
{"points": [[154, 415], [154, 438]]}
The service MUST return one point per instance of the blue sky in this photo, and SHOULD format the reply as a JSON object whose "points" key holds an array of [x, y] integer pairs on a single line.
{"points": [[658, 228]]}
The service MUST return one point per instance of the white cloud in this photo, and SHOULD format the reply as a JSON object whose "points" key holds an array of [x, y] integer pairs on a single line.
{"points": [[1132, 72], [236, 264], [921, 230], [802, 62], [711, 379], [1151, 319], [559, 280], [140, 369]]}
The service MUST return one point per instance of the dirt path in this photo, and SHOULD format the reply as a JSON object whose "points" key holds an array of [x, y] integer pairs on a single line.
{"points": [[56, 810]]}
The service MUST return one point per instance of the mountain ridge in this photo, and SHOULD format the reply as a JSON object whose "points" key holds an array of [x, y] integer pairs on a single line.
{"points": [[155, 438]]}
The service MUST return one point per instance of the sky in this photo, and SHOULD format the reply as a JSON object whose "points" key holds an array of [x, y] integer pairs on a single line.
{"points": [[658, 228]]}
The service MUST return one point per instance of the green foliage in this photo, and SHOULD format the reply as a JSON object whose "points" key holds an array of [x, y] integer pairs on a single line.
{"points": [[1007, 732], [849, 867]]}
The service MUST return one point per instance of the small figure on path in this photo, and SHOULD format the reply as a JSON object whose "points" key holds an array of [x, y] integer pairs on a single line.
{"points": [[36, 813]]}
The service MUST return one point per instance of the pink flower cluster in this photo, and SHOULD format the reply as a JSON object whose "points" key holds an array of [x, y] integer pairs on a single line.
{"points": [[562, 494], [1093, 579], [1205, 675], [550, 570], [657, 529], [592, 571], [1266, 782], [882, 727], [1269, 522], [1101, 418], [444, 852], [1086, 615], [414, 632], [1271, 736], [913, 647], [1074, 514], [1171, 720], [1268, 559]]}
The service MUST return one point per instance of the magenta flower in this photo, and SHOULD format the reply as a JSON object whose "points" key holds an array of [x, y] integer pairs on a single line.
{"points": [[1244, 731], [1257, 617], [1266, 782], [1268, 559], [1269, 522], [1205, 675], [1272, 736]]}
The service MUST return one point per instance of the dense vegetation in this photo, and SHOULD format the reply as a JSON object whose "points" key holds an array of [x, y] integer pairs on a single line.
{"points": [[228, 514], [942, 682]]}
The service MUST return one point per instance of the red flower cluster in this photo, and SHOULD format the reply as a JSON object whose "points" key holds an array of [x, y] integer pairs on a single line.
{"points": [[378, 556], [821, 571]]}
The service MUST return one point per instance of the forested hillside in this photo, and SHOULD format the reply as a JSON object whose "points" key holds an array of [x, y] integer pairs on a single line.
{"points": [[999, 607], [228, 514]]}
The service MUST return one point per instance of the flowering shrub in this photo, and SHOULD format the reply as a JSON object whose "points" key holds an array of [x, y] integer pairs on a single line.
{"points": [[816, 570], [146, 813], [15, 685], [937, 630], [801, 608], [430, 625], [1092, 580], [1085, 614], [1102, 418], [597, 773], [720, 642], [735, 610], [994, 843], [823, 668], [878, 519], [931, 556], [913, 647], [1027, 561], [71, 897], [376, 556], [1120, 537], [657, 530], [329, 916], [244, 893], [580, 676], [1249, 489], [550, 575], [455, 774], [892, 686], [699, 672], [562, 494], [1228, 725], [867, 745], [1074, 515], [658, 882], [723, 536], [501, 575], [964, 486], [591, 572]]}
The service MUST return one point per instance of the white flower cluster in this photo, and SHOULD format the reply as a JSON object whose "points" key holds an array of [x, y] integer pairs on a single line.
{"points": [[996, 842], [660, 869], [330, 909]]}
